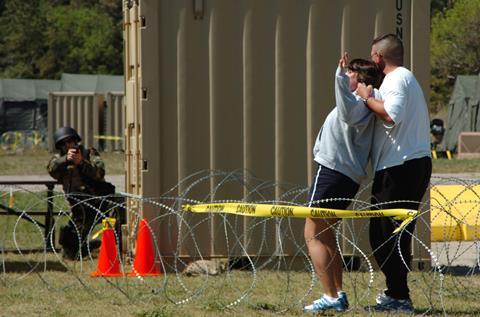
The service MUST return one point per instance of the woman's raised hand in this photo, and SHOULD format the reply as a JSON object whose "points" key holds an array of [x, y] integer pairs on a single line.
{"points": [[343, 62]]}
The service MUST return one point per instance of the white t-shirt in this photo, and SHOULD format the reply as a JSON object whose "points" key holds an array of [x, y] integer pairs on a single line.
{"points": [[409, 136]]}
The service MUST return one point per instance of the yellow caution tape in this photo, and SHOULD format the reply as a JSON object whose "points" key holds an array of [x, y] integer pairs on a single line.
{"points": [[264, 210], [108, 137], [107, 223]]}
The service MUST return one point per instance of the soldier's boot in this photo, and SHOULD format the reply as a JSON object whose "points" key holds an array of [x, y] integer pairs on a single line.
{"points": [[68, 239], [89, 250]]}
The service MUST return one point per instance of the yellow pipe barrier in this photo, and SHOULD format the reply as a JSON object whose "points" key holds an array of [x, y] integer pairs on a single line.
{"points": [[454, 212], [265, 210], [108, 137]]}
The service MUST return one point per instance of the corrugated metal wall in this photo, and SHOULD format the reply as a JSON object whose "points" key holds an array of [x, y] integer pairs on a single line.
{"points": [[114, 121], [80, 111], [91, 114], [228, 84]]}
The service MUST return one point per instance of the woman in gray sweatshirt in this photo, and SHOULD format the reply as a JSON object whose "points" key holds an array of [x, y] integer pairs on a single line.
{"points": [[342, 152]]}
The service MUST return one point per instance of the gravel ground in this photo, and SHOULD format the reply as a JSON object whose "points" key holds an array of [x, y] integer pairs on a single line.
{"points": [[455, 178], [117, 180]]}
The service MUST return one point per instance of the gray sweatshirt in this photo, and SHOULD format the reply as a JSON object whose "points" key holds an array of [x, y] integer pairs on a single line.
{"points": [[343, 143]]}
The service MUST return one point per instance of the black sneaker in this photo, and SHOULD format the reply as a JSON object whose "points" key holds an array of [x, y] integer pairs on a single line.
{"points": [[389, 304]]}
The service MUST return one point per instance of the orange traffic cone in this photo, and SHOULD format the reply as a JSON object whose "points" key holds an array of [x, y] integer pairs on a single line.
{"points": [[144, 263], [108, 261]]}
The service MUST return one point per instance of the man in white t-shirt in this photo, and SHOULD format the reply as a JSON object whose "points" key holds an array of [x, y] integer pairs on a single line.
{"points": [[402, 163]]}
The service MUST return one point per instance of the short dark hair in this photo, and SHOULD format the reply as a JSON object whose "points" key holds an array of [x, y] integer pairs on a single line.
{"points": [[390, 47], [368, 72]]}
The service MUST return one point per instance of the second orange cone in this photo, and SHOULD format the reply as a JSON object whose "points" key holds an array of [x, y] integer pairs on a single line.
{"points": [[144, 262]]}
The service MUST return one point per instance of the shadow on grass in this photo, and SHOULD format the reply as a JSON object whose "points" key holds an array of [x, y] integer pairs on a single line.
{"points": [[460, 270], [446, 312], [366, 311], [31, 266]]}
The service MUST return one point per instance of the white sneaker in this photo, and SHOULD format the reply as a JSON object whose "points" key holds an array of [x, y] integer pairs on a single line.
{"points": [[325, 303]]}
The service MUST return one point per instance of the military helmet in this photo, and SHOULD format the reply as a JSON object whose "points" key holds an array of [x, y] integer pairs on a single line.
{"points": [[64, 133]]}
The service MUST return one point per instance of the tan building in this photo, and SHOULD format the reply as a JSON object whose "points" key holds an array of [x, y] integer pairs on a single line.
{"points": [[244, 84]]}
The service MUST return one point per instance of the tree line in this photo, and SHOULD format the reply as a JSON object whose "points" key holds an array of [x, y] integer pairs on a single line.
{"points": [[44, 38], [454, 46]]}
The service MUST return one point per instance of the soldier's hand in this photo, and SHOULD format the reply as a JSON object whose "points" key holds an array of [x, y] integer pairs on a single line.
{"points": [[74, 156]]}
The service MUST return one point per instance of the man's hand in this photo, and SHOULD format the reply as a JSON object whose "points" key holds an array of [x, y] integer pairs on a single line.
{"points": [[364, 91], [74, 156], [376, 106]]}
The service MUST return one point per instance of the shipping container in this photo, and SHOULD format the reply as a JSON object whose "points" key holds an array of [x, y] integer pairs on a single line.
{"points": [[79, 110], [244, 84], [114, 118], [98, 118]]}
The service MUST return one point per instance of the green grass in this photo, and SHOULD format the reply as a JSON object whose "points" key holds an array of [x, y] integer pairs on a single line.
{"points": [[65, 289], [32, 200], [34, 162], [456, 166], [38, 284], [17, 232]]}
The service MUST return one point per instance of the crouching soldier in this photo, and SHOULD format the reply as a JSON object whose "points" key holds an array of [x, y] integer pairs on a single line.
{"points": [[81, 171]]}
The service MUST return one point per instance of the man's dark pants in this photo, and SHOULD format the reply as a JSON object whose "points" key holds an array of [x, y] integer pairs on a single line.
{"points": [[408, 181]]}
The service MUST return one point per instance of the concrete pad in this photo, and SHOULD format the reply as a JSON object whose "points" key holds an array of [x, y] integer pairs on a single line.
{"points": [[117, 180], [457, 253]]}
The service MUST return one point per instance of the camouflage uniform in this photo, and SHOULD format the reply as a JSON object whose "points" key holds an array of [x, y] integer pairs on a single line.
{"points": [[71, 177], [80, 183]]}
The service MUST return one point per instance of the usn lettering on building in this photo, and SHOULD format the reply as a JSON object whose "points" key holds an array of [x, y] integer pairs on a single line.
{"points": [[399, 19]]}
